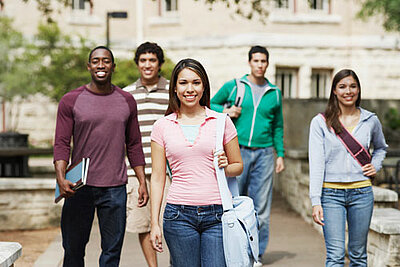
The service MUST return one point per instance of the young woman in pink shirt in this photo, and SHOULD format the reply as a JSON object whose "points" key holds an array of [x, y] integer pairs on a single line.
{"points": [[186, 138]]}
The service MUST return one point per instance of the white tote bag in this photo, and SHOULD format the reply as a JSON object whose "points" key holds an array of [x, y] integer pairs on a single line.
{"points": [[239, 220]]}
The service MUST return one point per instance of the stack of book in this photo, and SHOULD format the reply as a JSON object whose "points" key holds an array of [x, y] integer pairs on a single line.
{"points": [[77, 174]]}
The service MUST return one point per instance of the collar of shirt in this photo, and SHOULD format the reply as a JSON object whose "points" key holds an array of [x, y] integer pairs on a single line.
{"points": [[161, 84], [209, 115]]}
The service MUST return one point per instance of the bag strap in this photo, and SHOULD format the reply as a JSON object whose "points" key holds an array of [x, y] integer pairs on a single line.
{"points": [[226, 196], [240, 88], [358, 151]]}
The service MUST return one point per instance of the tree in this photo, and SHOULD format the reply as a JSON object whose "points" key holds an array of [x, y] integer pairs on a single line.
{"points": [[390, 9], [13, 69], [64, 61], [10, 41], [54, 64], [245, 8]]}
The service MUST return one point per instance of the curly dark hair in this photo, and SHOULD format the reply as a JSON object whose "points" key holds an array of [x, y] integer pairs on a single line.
{"points": [[149, 47]]}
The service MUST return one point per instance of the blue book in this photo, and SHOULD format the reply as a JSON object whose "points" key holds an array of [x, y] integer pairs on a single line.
{"points": [[77, 174]]}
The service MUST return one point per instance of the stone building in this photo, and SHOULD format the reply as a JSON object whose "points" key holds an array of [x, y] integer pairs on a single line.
{"points": [[308, 41]]}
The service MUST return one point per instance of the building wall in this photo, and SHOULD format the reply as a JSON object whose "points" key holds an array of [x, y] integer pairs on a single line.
{"points": [[297, 38], [303, 40]]}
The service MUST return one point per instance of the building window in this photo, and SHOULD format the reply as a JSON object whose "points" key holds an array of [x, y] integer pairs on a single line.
{"points": [[78, 4], [82, 5], [319, 4], [286, 80], [320, 83], [168, 7], [82, 13], [282, 3], [285, 5], [171, 5]]}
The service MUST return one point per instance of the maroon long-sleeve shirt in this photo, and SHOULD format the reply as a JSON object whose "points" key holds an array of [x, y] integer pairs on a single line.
{"points": [[101, 126]]}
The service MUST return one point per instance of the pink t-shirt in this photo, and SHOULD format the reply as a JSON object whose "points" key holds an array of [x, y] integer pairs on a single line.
{"points": [[194, 181]]}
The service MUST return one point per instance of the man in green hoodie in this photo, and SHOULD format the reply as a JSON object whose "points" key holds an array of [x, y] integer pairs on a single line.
{"points": [[259, 123]]}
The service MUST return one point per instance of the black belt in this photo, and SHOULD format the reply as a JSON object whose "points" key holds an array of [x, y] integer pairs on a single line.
{"points": [[250, 148]]}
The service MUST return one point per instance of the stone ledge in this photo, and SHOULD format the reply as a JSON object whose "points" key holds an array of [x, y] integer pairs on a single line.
{"points": [[384, 195], [296, 153], [386, 221], [9, 253], [27, 183]]}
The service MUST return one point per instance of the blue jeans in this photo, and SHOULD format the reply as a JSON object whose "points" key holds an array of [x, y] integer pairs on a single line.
{"points": [[77, 218], [194, 235], [256, 182], [354, 206]]}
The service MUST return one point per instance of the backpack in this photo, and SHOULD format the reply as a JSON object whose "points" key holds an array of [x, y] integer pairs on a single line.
{"points": [[240, 88]]}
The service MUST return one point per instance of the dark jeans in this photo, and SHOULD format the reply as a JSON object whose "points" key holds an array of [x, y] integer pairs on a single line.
{"points": [[77, 218]]}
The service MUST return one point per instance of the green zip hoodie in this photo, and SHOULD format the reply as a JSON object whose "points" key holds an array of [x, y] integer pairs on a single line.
{"points": [[260, 124]]}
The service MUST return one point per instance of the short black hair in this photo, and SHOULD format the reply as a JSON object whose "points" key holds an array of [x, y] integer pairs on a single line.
{"points": [[258, 49], [101, 47], [149, 47]]}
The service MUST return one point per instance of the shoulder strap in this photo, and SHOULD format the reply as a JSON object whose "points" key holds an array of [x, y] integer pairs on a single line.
{"points": [[358, 151], [240, 88], [226, 196]]}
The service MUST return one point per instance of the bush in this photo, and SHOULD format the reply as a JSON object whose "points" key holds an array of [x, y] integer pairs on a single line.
{"points": [[392, 119]]}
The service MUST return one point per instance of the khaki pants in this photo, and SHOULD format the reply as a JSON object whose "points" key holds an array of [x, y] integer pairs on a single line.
{"points": [[138, 219]]}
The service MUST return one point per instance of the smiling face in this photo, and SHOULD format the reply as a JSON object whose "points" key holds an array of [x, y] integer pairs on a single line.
{"points": [[149, 68], [189, 88], [101, 66], [347, 92]]}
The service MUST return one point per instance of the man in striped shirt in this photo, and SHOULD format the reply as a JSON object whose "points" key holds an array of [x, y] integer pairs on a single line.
{"points": [[151, 94]]}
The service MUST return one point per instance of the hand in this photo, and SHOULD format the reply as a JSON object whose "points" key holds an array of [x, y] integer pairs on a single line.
{"points": [[156, 238], [66, 188], [369, 170], [143, 197], [318, 214], [233, 111], [222, 160], [280, 166]]}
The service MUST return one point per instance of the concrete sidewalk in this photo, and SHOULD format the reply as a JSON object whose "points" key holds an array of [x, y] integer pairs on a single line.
{"points": [[293, 242]]}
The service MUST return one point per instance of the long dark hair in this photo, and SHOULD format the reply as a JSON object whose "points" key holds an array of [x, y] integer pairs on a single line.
{"points": [[332, 111], [192, 64]]}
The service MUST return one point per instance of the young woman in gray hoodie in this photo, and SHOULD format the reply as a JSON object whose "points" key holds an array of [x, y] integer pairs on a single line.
{"points": [[340, 188]]}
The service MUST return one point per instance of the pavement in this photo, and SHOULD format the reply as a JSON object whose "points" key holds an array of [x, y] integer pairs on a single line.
{"points": [[293, 242]]}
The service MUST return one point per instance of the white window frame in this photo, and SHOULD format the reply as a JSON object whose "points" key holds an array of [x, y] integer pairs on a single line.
{"points": [[321, 6], [321, 82], [166, 17], [286, 78], [289, 9], [76, 4], [81, 16], [282, 7], [174, 8]]}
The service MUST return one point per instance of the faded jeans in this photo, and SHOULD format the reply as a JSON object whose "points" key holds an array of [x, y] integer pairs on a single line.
{"points": [[256, 182], [354, 206], [194, 235]]}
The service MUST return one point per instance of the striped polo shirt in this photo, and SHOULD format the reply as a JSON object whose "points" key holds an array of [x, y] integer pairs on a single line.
{"points": [[151, 105]]}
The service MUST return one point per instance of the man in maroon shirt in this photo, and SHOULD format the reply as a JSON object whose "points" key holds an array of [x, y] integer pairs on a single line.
{"points": [[102, 119]]}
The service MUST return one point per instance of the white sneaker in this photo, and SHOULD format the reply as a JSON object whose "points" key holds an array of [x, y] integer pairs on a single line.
{"points": [[258, 264]]}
